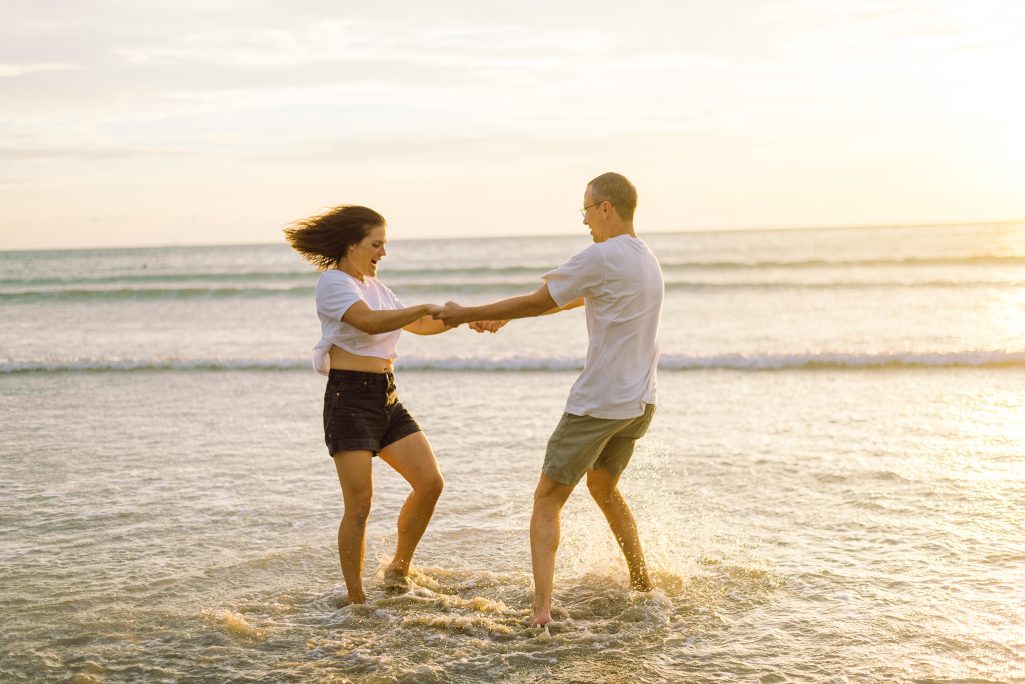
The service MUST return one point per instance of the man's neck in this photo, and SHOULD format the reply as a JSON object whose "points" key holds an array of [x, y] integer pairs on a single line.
{"points": [[624, 229]]}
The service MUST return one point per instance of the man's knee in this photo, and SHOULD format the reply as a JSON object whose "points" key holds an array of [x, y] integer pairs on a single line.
{"points": [[551, 492], [602, 485]]}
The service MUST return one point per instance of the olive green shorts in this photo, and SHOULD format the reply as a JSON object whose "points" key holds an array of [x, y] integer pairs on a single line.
{"points": [[581, 443]]}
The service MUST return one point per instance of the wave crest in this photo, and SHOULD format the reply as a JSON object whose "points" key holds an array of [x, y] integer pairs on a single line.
{"points": [[668, 362]]}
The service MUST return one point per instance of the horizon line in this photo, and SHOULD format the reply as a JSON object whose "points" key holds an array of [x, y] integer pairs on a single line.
{"points": [[696, 231]]}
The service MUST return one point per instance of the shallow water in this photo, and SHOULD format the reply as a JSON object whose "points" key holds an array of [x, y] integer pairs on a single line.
{"points": [[827, 525]]}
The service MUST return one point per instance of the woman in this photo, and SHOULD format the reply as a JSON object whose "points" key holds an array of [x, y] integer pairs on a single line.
{"points": [[361, 320]]}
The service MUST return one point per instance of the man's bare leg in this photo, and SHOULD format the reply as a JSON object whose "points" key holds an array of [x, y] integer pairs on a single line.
{"points": [[549, 498], [603, 487]]}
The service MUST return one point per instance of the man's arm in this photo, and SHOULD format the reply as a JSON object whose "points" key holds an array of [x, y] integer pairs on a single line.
{"points": [[495, 326], [524, 306], [372, 322], [579, 301]]}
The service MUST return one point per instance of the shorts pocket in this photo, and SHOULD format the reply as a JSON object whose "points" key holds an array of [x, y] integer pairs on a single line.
{"points": [[639, 427], [350, 387], [560, 429], [342, 396]]}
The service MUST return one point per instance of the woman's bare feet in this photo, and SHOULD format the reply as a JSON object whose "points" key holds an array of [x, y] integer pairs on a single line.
{"points": [[540, 616]]}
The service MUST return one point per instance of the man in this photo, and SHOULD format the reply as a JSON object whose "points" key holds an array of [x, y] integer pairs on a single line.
{"points": [[611, 404]]}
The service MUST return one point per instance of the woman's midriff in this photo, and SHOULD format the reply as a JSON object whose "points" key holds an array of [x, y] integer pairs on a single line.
{"points": [[345, 360]]}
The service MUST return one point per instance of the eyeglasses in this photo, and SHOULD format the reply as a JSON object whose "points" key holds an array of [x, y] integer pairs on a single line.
{"points": [[583, 212]]}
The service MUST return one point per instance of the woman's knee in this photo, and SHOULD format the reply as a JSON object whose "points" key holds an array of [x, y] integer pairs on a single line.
{"points": [[431, 487], [357, 506]]}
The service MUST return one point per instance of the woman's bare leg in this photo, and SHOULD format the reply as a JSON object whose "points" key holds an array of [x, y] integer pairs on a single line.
{"points": [[355, 476], [413, 458]]}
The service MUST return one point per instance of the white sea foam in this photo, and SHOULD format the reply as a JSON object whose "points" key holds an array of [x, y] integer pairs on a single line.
{"points": [[969, 359], [668, 362]]}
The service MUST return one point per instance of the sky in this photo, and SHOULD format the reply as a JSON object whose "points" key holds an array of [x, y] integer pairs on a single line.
{"points": [[126, 123]]}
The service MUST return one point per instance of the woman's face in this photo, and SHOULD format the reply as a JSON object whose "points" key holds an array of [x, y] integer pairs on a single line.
{"points": [[367, 252]]}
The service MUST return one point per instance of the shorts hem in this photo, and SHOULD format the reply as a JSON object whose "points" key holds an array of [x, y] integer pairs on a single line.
{"points": [[558, 477], [617, 471], [353, 445], [410, 429]]}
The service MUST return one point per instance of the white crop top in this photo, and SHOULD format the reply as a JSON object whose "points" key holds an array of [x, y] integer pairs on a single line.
{"points": [[336, 292]]}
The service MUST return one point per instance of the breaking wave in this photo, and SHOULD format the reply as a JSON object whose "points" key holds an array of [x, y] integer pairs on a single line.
{"points": [[668, 362]]}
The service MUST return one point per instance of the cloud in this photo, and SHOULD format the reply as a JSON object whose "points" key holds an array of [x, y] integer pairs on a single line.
{"points": [[349, 41], [13, 70], [300, 92], [80, 154]]}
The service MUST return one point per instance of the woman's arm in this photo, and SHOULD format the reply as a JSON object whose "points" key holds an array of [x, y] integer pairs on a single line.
{"points": [[372, 322], [426, 325]]}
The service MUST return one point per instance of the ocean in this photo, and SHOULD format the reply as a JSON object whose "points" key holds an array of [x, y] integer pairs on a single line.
{"points": [[833, 488]]}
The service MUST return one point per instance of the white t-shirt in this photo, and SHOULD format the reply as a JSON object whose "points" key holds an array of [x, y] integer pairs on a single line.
{"points": [[336, 292], [621, 283]]}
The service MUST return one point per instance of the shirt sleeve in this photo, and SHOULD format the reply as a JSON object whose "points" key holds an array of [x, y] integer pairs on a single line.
{"points": [[335, 296], [581, 276]]}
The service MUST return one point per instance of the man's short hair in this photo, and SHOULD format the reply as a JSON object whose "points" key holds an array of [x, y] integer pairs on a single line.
{"points": [[616, 189]]}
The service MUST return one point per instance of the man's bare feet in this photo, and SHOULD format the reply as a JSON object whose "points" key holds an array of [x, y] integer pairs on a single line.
{"points": [[396, 581], [350, 599], [642, 584]]}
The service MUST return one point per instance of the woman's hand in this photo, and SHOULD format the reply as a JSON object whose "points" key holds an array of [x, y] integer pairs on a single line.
{"points": [[487, 326]]}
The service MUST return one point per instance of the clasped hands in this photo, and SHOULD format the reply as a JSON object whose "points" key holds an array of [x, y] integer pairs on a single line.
{"points": [[453, 315]]}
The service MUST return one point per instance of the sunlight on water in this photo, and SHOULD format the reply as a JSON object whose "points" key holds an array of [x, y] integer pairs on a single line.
{"points": [[1006, 316]]}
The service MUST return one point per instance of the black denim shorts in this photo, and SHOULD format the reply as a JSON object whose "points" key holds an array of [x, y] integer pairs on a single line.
{"points": [[362, 412]]}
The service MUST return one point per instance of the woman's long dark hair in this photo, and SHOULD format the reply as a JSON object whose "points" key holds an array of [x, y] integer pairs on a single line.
{"points": [[324, 240]]}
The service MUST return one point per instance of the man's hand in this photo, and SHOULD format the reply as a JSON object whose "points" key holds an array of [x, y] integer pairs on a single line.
{"points": [[451, 315], [487, 326]]}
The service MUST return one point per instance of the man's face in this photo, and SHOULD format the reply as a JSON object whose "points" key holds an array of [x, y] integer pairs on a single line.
{"points": [[595, 216]]}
